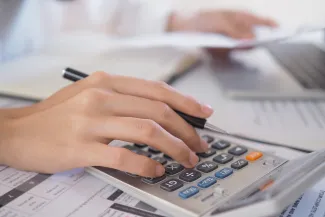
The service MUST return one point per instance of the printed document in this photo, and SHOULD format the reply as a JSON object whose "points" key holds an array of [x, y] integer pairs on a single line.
{"points": [[263, 35]]}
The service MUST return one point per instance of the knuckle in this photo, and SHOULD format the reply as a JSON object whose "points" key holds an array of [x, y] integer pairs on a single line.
{"points": [[119, 157], [148, 128], [98, 77], [181, 152], [165, 111], [162, 87], [90, 97]]}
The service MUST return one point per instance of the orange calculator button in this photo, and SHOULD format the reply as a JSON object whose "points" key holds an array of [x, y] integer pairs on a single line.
{"points": [[254, 156]]}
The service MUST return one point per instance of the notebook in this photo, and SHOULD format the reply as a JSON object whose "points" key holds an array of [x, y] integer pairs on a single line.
{"points": [[39, 75]]}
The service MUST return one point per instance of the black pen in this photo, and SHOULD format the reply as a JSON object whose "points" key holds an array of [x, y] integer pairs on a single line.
{"points": [[201, 123]]}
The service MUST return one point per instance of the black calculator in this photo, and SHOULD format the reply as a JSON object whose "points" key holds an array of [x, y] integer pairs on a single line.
{"points": [[227, 173]]}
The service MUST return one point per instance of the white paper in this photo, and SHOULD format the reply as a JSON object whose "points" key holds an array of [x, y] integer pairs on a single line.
{"points": [[299, 124], [199, 39], [310, 204]]}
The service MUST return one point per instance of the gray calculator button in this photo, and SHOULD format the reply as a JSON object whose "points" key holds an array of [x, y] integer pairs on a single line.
{"points": [[131, 174], [171, 185], [153, 180], [154, 150], [140, 145], [223, 158], [207, 138], [207, 166], [238, 150], [189, 175], [167, 157], [220, 145], [239, 164], [173, 168], [207, 154], [137, 150], [161, 160]]}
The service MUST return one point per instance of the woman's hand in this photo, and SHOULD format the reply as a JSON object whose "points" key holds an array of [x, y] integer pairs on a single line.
{"points": [[73, 127], [235, 24]]}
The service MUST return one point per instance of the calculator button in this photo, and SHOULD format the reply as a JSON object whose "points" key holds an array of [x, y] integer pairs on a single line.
{"points": [[254, 156], [161, 160], [225, 172], [218, 191], [207, 182], [189, 175], [140, 145], [154, 150], [173, 168], [207, 166], [207, 154], [131, 174], [168, 157], [141, 152], [238, 150], [189, 192], [171, 185], [130, 147], [207, 138], [153, 180], [220, 145], [223, 158], [239, 164]]}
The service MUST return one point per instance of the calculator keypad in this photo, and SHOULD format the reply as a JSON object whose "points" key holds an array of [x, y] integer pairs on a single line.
{"points": [[190, 175], [171, 185], [219, 168]]}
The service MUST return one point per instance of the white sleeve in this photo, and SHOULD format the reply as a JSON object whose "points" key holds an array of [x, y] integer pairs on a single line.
{"points": [[131, 17]]}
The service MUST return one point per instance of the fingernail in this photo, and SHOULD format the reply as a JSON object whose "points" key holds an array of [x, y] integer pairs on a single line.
{"points": [[194, 159], [204, 145], [160, 170], [207, 109]]}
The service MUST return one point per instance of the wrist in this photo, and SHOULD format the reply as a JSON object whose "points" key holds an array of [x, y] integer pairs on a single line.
{"points": [[5, 134]]}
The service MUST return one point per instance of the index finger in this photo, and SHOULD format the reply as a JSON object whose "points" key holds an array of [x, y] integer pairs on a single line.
{"points": [[154, 90], [256, 20]]}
